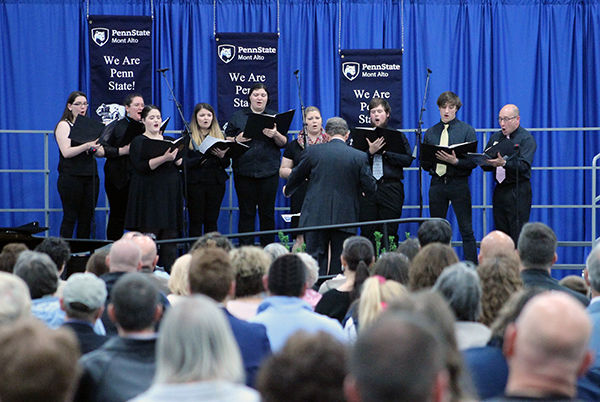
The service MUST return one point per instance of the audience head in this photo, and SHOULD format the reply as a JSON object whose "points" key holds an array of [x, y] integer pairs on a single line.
{"points": [[376, 294], [251, 264], [495, 243], [39, 273], [179, 283], [134, 303], [212, 239], [392, 266], [357, 256], [576, 283], [37, 364], [196, 344], [83, 297], [336, 126], [8, 256], [537, 246], [275, 250], [459, 284], [57, 249], [312, 269], [434, 231], [96, 264], [382, 368], [500, 278], [124, 256], [310, 367], [428, 264], [287, 276], [211, 273], [147, 247], [511, 310], [15, 301], [409, 247], [540, 351], [592, 270]]}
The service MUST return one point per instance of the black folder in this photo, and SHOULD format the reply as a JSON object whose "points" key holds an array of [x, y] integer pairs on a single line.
{"points": [[428, 151], [234, 148], [153, 148], [85, 130], [257, 122], [394, 139], [505, 147]]}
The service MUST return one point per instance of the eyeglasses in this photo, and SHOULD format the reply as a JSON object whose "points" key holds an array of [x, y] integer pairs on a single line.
{"points": [[80, 104], [501, 119]]}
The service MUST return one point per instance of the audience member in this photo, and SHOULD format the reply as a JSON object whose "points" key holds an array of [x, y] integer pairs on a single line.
{"points": [[459, 284], [212, 275], [57, 249], [409, 247], [82, 300], [357, 256], [428, 264], [150, 256], [496, 243], [589, 385], [37, 364], [384, 369], [96, 264], [251, 264], [275, 250], [576, 283], [197, 357], [124, 366], [310, 367], [500, 278], [311, 296], [179, 284], [537, 249], [434, 231], [544, 360], [392, 266], [212, 239], [8, 256], [283, 312], [15, 301]]}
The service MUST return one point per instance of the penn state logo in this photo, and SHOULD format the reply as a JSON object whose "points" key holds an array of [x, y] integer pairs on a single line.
{"points": [[226, 53], [350, 70], [100, 36], [110, 112]]}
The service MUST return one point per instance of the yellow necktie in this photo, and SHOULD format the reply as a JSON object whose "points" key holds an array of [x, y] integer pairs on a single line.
{"points": [[440, 168]]}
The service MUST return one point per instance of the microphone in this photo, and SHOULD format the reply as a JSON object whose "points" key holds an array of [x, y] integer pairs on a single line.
{"points": [[428, 70], [296, 72], [162, 70]]}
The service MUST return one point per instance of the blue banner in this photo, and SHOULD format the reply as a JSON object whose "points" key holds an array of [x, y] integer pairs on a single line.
{"points": [[367, 74], [243, 60], [120, 63]]}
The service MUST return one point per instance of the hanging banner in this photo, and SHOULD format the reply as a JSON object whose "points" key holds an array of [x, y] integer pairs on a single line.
{"points": [[243, 60], [120, 63], [367, 74]]}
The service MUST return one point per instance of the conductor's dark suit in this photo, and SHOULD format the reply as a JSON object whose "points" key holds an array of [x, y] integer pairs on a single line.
{"points": [[337, 174]]}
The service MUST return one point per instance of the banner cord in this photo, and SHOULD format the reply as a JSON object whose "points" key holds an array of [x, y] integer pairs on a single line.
{"points": [[214, 18], [402, 26], [340, 27]]}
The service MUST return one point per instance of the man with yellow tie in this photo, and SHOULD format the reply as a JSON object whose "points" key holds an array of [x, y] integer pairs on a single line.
{"points": [[450, 177]]}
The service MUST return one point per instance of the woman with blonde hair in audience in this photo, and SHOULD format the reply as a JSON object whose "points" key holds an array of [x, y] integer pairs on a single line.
{"points": [[197, 357], [251, 264], [179, 284]]}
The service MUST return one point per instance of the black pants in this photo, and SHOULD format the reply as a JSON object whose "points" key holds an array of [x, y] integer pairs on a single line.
{"points": [[79, 195], [253, 193], [317, 245], [204, 205], [386, 203], [505, 207], [117, 200], [455, 190]]}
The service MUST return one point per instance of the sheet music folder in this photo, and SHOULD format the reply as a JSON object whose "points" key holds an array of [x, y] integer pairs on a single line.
{"points": [[85, 130], [234, 149], [428, 151], [394, 142], [257, 122]]}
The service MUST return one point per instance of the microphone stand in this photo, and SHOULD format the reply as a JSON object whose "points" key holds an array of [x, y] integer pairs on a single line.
{"points": [[419, 133], [304, 129], [186, 133]]}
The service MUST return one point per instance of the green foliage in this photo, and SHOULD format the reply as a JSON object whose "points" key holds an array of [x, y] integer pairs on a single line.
{"points": [[284, 239]]}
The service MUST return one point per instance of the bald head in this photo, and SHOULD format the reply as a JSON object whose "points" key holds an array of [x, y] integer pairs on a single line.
{"points": [[510, 109], [147, 247], [124, 256], [494, 244], [546, 347]]}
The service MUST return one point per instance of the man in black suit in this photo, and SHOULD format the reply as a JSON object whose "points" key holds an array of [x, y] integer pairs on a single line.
{"points": [[83, 298], [337, 175]]}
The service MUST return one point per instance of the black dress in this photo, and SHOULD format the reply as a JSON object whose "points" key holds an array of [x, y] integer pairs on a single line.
{"points": [[155, 197]]}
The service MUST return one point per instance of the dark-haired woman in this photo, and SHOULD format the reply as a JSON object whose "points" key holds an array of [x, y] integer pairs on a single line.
{"points": [[116, 169], [155, 200], [206, 174], [77, 171], [256, 172]]}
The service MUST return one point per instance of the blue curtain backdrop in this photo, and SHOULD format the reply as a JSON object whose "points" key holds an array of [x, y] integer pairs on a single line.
{"points": [[540, 55]]}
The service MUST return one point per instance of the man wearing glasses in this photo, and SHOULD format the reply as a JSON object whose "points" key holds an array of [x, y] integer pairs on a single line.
{"points": [[512, 171]]}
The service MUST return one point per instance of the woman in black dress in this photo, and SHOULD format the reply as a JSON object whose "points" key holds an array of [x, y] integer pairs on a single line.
{"points": [[116, 169], [155, 200], [255, 172], [206, 174], [315, 134], [77, 172]]}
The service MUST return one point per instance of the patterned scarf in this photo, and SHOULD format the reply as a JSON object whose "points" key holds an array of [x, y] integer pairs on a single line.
{"points": [[321, 138]]}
